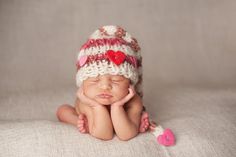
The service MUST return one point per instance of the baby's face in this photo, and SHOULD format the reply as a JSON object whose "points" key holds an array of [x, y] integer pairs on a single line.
{"points": [[106, 89]]}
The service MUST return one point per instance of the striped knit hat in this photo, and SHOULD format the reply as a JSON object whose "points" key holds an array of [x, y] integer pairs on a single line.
{"points": [[110, 50]]}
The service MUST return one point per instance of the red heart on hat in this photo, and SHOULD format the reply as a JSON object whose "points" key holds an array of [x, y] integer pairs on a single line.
{"points": [[167, 138], [117, 57]]}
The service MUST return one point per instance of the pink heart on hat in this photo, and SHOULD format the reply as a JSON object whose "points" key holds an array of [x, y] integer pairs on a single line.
{"points": [[167, 138], [83, 60]]}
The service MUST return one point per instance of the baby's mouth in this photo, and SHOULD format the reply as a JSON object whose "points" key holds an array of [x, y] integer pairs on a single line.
{"points": [[104, 96]]}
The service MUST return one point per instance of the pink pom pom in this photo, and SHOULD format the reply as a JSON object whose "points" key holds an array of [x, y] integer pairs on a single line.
{"points": [[167, 138]]}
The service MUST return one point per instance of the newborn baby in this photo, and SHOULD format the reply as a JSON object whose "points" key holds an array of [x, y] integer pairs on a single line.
{"points": [[109, 79]]}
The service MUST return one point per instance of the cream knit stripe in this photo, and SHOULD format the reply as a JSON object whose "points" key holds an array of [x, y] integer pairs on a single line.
{"points": [[103, 67]]}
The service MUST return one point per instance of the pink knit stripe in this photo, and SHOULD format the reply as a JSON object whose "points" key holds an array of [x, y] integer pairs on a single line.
{"points": [[103, 42], [99, 57]]}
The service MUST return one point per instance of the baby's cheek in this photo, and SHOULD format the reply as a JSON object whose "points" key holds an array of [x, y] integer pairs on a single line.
{"points": [[124, 92], [89, 93]]}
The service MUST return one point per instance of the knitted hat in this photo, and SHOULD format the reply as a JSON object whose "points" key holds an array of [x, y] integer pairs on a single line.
{"points": [[110, 50]]}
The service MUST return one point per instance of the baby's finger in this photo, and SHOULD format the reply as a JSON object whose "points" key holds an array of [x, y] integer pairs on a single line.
{"points": [[131, 94], [131, 87], [81, 128], [128, 97]]}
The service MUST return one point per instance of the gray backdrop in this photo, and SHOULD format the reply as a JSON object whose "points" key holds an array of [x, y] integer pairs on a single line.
{"points": [[184, 42]]}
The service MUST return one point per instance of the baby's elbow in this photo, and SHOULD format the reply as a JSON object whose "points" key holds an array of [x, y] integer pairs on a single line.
{"points": [[102, 135], [124, 138], [106, 138], [127, 137]]}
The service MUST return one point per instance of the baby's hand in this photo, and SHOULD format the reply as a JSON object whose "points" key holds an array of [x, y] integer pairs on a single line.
{"points": [[126, 98], [84, 99]]}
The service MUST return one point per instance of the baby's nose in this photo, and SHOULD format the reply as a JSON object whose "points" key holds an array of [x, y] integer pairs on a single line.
{"points": [[105, 85]]}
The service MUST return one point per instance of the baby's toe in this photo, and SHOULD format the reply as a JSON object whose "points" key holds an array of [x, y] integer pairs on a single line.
{"points": [[142, 130], [80, 122], [81, 116], [81, 129], [80, 125], [145, 115], [145, 122]]}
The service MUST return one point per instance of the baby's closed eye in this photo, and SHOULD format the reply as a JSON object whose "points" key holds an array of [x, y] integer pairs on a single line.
{"points": [[117, 79], [93, 79]]}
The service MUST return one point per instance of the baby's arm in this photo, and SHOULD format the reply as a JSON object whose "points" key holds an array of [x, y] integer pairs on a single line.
{"points": [[99, 121], [126, 123]]}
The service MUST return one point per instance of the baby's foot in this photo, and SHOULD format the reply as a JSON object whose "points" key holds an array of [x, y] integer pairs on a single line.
{"points": [[144, 124], [152, 126], [82, 124]]}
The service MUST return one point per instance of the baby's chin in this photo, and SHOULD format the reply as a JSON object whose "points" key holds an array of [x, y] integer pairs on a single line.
{"points": [[105, 102]]}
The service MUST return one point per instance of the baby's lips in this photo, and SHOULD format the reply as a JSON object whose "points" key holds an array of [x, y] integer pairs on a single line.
{"points": [[105, 96]]}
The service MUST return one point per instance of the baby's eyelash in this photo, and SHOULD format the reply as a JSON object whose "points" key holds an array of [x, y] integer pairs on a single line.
{"points": [[94, 80], [116, 81]]}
